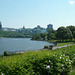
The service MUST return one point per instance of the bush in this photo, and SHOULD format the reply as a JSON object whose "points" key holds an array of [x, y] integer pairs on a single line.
{"points": [[5, 53], [53, 65], [50, 47], [45, 47], [36, 63], [56, 62]]}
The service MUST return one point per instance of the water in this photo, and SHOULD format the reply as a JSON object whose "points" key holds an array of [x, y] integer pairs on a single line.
{"points": [[20, 44]]}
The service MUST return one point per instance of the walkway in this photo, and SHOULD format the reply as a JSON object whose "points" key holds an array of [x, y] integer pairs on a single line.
{"points": [[61, 46]]}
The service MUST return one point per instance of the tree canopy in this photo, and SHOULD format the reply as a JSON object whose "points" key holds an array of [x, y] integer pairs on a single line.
{"points": [[72, 29], [63, 33]]}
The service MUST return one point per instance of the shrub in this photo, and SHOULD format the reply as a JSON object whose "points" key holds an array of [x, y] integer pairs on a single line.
{"points": [[50, 47], [5, 53], [45, 47], [56, 62], [36, 63]]}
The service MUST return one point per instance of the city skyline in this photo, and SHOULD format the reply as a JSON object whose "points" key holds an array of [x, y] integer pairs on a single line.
{"points": [[27, 28], [30, 13]]}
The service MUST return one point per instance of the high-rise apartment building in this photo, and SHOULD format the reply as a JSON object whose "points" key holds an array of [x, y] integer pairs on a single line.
{"points": [[0, 26], [50, 26]]}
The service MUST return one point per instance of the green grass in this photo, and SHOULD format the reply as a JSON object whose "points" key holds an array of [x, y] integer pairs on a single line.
{"points": [[67, 43]]}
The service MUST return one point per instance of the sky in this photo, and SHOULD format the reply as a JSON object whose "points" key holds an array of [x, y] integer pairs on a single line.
{"points": [[30, 13]]}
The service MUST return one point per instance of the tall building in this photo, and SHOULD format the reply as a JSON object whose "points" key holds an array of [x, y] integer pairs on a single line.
{"points": [[0, 26], [50, 26], [23, 27]]}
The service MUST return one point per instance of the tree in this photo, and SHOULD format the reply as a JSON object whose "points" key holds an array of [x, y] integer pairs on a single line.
{"points": [[60, 33], [63, 33], [36, 37], [51, 34], [72, 29], [50, 30], [43, 36], [68, 34], [74, 34]]}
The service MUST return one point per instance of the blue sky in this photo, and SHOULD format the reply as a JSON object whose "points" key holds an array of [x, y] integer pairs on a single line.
{"points": [[30, 13]]}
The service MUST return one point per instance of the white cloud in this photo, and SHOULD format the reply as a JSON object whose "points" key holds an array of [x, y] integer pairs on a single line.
{"points": [[72, 2]]}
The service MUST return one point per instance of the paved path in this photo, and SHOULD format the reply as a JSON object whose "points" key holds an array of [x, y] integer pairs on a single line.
{"points": [[61, 46]]}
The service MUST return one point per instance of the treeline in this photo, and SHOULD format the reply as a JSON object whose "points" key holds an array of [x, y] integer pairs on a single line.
{"points": [[10, 34], [61, 34]]}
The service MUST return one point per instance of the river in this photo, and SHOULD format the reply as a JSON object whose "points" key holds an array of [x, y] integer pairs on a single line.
{"points": [[20, 44]]}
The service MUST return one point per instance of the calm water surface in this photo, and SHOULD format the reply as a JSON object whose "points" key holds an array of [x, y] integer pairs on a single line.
{"points": [[20, 44]]}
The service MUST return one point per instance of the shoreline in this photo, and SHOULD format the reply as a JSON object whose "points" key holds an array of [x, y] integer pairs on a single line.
{"points": [[23, 50], [53, 42]]}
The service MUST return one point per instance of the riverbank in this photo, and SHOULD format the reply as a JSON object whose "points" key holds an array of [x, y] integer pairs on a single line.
{"points": [[20, 44], [60, 45], [54, 47]]}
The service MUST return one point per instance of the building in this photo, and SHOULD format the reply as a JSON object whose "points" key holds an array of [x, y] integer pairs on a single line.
{"points": [[50, 26], [0, 26], [43, 30], [39, 29], [9, 29]]}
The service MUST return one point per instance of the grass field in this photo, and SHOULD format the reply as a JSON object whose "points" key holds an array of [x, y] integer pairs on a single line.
{"points": [[67, 43]]}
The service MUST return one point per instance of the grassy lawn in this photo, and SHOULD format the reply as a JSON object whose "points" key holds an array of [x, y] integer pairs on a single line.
{"points": [[67, 43]]}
